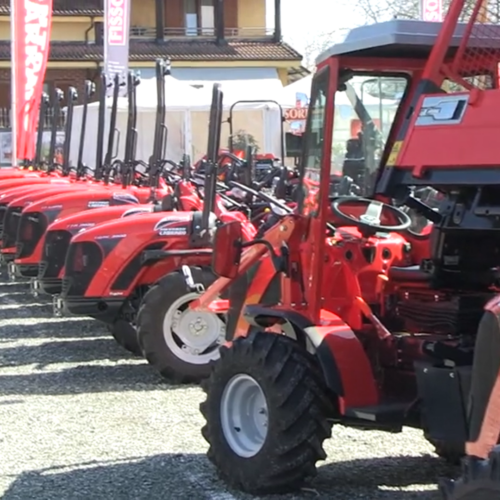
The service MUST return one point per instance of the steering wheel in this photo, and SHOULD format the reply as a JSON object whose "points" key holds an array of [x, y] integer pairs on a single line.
{"points": [[263, 196], [370, 220]]}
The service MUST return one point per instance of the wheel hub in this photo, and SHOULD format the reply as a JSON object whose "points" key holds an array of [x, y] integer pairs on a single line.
{"points": [[244, 415], [189, 334]]}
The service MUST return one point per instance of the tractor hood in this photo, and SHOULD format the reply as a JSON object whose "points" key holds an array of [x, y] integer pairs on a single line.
{"points": [[71, 202], [16, 173], [12, 183], [23, 197], [82, 221], [136, 227]]}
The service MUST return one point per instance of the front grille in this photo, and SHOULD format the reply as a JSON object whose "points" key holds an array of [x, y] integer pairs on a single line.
{"points": [[55, 246], [83, 260], [11, 224], [31, 230]]}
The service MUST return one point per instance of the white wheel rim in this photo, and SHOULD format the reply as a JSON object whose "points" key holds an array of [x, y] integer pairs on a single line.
{"points": [[192, 336], [244, 415]]}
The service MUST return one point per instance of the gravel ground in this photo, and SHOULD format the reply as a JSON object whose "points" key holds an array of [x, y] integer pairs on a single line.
{"points": [[82, 419]]}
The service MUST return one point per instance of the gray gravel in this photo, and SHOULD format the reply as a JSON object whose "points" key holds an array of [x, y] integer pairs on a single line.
{"points": [[82, 419]]}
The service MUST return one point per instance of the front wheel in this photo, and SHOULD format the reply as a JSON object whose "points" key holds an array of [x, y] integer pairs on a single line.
{"points": [[267, 414], [480, 480], [178, 342]]}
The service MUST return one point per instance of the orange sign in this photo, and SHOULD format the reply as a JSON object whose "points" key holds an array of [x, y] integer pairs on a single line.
{"points": [[296, 114]]}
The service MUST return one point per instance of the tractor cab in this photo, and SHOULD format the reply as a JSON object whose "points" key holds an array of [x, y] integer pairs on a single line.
{"points": [[373, 324]]}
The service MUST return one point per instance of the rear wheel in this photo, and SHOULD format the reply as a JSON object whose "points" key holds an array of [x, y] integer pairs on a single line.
{"points": [[124, 329], [178, 342], [451, 452], [480, 480], [267, 414], [125, 333]]}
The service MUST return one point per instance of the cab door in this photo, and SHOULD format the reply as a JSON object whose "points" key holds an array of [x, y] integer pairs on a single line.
{"points": [[315, 179]]}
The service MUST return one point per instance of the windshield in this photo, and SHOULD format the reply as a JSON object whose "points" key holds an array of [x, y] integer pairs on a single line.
{"points": [[313, 151], [365, 109]]}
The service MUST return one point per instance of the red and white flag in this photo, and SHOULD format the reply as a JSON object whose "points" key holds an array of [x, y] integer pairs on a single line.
{"points": [[31, 25], [116, 41]]}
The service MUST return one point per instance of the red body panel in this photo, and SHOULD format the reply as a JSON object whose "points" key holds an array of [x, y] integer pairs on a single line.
{"points": [[12, 183], [65, 204], [139, 231], [14, 198], [23, 198], [10, 194], [453, 141], [355, 370], [17, 173], [87, 219], [74, 223]]}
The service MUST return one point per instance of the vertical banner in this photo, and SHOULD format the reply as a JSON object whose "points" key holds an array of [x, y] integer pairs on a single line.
{"points": [[431, 10], [31, 26], [116, 40]]}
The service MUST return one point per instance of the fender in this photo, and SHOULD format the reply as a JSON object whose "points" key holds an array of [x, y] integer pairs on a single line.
{"points": [[346, 368]]}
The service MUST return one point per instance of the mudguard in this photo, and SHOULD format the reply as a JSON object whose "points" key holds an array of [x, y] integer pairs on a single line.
{"points": [[346, 368]]}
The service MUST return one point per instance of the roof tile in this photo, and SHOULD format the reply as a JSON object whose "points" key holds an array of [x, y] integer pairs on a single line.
{"points": [[66, 7], [174, 50]]}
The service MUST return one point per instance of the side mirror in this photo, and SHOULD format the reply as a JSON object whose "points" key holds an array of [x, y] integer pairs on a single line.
{"points": [[227, 250]]}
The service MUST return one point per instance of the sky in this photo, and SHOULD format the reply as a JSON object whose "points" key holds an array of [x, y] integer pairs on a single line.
{"points": [[300, 24]]}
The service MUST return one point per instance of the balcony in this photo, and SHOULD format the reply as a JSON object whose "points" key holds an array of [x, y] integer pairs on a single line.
{"points": [[246, 33]]}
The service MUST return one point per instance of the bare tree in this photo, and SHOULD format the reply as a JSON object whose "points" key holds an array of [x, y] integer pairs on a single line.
{"points": [[315, 44], [374, 11]]}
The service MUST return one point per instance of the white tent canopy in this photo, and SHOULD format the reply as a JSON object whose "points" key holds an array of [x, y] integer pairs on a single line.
{"points": [[178, 95], [187, 117]]}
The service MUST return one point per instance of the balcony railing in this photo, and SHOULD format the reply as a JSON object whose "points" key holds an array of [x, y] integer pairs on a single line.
{"points": [[146, 32], [6, 115]]}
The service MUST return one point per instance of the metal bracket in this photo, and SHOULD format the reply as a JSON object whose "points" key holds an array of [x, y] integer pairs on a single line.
{"points": [[12, 271], [35, 287], [58, 306], [188, 278]]}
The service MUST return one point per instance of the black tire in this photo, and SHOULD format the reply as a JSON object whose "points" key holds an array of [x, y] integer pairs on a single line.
{"points": [[299, 408], [152, 312], [451, 452], [480, 480], [125, 334]]}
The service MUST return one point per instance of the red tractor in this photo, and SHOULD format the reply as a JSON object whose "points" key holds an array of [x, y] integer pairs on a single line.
{"points": [[340, 314]]}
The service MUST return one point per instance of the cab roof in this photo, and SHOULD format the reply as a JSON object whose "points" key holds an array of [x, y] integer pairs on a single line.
{"points": [[404, 39]]}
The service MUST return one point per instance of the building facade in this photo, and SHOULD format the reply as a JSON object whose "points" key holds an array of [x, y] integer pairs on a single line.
{"points": [[206, 40]]}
